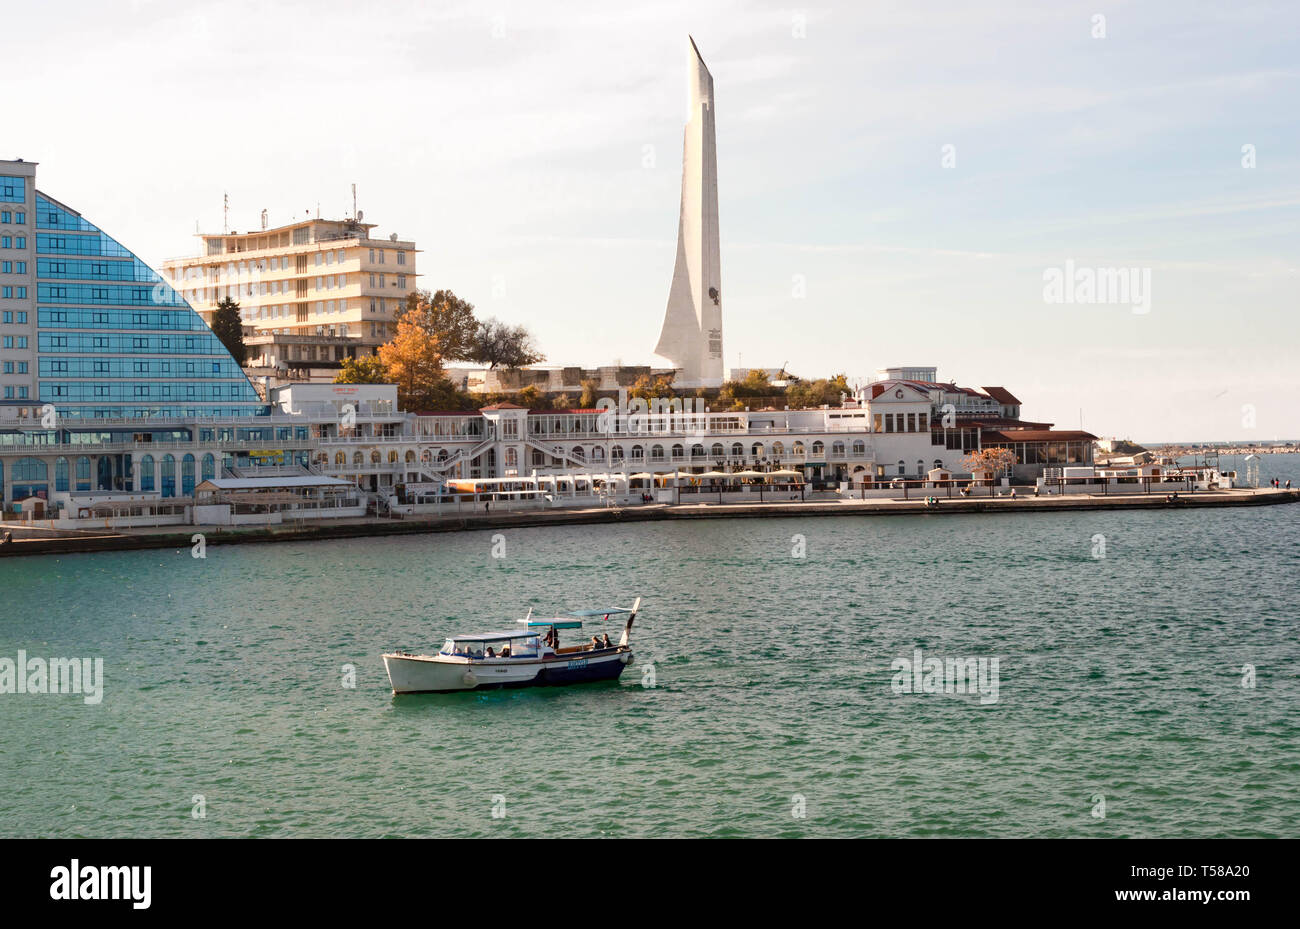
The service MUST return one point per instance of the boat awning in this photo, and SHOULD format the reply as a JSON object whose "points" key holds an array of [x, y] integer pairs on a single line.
{"points": [[557, 623], [493, 636], [608, 612]]}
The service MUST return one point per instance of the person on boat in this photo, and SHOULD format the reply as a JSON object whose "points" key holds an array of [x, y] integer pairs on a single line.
{"points": [[505, 651], [490, 653], [605, 643], [595, 642]]}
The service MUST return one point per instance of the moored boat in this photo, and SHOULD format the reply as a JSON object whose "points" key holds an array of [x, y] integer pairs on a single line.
{"points": [[529, 655]]}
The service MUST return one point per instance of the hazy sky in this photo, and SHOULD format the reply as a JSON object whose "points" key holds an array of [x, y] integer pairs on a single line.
{"points": [[533, 152]]}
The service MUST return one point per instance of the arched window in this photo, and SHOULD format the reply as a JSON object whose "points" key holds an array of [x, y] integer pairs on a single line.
{"points": [[187, 475], [147, 473], [737, 450], [83, 473], [697, 450], [656, 453], [902, 468], [374, 456], [679, 451], [578, 453], [512, 457], [209, 467], [616, 453], [340, 458], [167, 473], [638, 453], [920, 467], [442, 454], [716, 450], [837, 449], [778, 448], [410, 456], [358, 459], [757, 451], [938, 463], [818, 449], [426, 456], [597, 454], [859, 448], [392, 456]]}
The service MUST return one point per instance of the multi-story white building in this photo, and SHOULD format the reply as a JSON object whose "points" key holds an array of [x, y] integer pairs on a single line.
{"points": [[323, 287]]}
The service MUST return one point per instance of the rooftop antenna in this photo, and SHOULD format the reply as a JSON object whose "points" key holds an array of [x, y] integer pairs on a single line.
{"points": [[225, 213], [354, 202], [263, 220]]}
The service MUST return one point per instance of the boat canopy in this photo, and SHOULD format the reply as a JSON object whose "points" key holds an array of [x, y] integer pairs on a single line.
{"points": [[557, 623], [610, 611], [494, 636]]}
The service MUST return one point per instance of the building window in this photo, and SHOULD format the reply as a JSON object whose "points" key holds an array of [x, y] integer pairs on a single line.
{"points": [[13, 189]]}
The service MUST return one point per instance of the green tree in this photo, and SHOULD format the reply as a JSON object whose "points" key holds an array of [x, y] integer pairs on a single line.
{"points": [[755, 384], [822, 392], [229, 328], [447, 318], [498, 344], [367, 369], [531, 397]]}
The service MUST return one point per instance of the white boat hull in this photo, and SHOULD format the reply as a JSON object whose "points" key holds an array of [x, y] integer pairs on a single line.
{"points": [[413, 674]]}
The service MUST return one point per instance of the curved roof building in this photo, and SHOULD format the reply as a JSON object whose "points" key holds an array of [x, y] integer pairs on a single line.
{"points": [[90, 329]]}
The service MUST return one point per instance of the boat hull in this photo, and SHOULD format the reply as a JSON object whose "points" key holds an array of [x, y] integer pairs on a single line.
{"points": [[417, 674]]}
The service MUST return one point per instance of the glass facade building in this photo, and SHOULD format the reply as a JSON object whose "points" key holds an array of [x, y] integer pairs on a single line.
{"points": [[97, 333]]}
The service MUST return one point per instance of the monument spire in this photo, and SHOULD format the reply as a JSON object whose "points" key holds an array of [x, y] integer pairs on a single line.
{"points": [[691, 338]]}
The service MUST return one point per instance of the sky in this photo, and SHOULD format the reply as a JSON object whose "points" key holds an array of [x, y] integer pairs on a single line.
{"points": [[899, 183]]}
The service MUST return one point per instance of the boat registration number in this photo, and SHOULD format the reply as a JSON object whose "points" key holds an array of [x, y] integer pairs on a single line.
{"points": [[580, 663]]}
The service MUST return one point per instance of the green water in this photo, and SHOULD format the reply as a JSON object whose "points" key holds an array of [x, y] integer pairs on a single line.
{"points": [[1120, 677]]}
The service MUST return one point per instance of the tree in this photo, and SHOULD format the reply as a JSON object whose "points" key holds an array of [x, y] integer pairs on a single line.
{"points": [[590, 393], [997, 460], [229, 328], [823, 392], [650, 388], [500, 344], [367, 369], [755, 384], [413, 360], [530, 397], [447, 318]]}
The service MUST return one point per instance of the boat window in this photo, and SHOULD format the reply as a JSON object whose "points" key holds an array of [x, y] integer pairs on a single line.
{"points": [[448, 648], [520, 648]]}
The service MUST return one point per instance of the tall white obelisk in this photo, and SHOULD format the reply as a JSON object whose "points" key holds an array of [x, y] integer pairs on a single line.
{"points": [[691, 338]]}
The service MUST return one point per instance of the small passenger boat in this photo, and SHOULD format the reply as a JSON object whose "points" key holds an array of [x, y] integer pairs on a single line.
{"points": [[528, 656]]}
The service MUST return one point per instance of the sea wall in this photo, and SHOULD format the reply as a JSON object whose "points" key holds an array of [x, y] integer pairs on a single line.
{"points": [[47, 543]]}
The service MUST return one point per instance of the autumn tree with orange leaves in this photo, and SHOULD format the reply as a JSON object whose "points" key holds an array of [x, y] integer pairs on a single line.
{"points": [[413, 361]]}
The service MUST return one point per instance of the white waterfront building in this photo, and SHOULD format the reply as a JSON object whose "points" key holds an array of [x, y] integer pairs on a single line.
{"points": [[894, 429]]}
